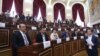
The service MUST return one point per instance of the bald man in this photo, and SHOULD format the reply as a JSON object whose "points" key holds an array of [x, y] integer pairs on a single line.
{"points": [[19, 39]]}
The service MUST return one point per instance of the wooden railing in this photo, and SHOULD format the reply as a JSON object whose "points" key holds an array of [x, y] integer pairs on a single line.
{"points": [[4, 38], [65, 48]]}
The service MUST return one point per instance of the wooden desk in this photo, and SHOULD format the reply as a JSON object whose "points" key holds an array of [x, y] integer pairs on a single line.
{"points": [[65, 48]]}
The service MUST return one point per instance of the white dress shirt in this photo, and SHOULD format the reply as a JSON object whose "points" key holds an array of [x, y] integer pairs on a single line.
{"points": [[54, 36], [26, 42], [43, 37], [89, 41]]}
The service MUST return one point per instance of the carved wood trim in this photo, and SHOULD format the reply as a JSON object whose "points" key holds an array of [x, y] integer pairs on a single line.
{"points": [[7, 43], [45, 53]]}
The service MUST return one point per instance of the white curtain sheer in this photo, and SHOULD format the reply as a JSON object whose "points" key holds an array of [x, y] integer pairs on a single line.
{"points": [[78, 20], [39, 16], [13, 10], [59, 17]]}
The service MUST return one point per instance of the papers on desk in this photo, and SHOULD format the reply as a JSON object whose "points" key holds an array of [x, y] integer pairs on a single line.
{"points": [[46, 44], [75, 38], [82, 37], [67, 39], [59, 41], [2, 25], [84, 29], [72, 29], [59, 29], [51, 29], [33, 28]]}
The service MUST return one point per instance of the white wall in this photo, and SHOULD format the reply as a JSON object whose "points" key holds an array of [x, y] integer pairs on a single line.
{"points": [[28, 7], [0, 6]]}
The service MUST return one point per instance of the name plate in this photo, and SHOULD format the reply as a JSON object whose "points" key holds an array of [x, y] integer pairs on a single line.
{"points": [[72, 29], [51, 29], [67, 39], [82, 37], [59, 29], [75, 38], [2, 25], [84, 29], [33, 28], [59, 41], [46, 44]]}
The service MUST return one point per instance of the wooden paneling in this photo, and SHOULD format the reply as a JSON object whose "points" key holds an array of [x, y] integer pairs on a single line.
{"points": [[74, 46], [48, 52], [67, 49], [81, 45], [4, 38], [58, 50], [32, 34]]}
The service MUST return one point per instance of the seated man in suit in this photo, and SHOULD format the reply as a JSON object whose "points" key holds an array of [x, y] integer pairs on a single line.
{"points": [[42, 36], [19, 39], [28, 17], [91, 43], [54, 35], [64, 34]]}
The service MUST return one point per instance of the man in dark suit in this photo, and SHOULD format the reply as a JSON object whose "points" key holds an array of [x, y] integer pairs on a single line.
{"points": [[91, 43], [22, 16], [19, 39], [64, 34], [28, 17], [42, 36]]}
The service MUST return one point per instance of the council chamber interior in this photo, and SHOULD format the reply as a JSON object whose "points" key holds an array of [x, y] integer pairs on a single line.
{"points": [[73, 16]]}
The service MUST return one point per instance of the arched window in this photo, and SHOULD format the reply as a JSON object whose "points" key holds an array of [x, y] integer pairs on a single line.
{"points": [[59, 12], [39, 9], [78, 14], [78, 7], [13, 6]]}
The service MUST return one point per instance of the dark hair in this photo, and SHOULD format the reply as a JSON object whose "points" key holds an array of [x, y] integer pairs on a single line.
{"points": [[20, 25], [89, 29]]}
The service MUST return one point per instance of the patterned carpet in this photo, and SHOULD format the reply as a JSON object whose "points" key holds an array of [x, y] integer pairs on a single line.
{"points": [[8, 53]]}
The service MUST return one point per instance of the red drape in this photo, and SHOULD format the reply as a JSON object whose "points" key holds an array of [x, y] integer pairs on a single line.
{"points": [[19, 6], [58, 7], [80, 9], [39, 4], [81, 13], [6, 5]]}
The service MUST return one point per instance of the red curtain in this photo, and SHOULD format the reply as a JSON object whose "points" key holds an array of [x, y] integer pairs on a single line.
{"points": [[81, 13], [19, 6], [80, 9], [6, 5], [58, 7], [74, 9], [39, 4]]}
